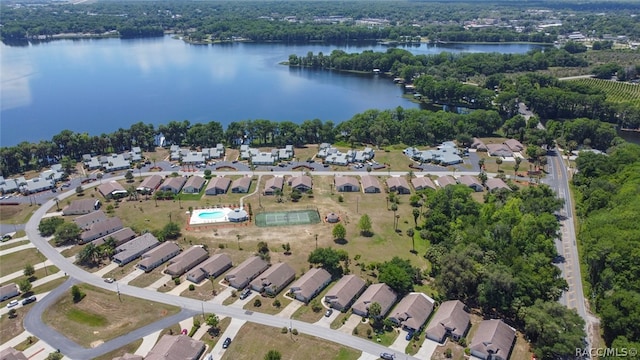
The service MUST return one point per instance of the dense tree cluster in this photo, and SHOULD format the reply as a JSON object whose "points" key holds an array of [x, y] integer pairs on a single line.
{"points": [[609, 204]]}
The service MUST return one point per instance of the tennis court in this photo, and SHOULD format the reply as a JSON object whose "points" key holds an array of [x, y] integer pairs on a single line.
{"points": [[285, 218]]}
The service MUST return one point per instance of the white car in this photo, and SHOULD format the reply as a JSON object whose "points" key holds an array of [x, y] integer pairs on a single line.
{"points": [[109, 280], [12, 303]]}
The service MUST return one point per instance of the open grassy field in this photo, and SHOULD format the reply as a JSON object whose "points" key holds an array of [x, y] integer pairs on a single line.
{"points": [[254, 341], [13, 262], [101, 315], [149, 278]]}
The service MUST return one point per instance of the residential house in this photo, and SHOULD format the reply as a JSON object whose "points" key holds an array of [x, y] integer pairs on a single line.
{"points": [[241, 185], [193, 185], [8, 186], [273, 185], [247, 152], [36, 185], [274, 279], [399, 185], [450, 319], [302, 183], [363, 155], [248, 270], [178, 347], [212, 267], [132, 250], [85, 221], [370, 184], [472, 182], [346, 184], [264, 158], [81, 207], [173, 184], [412, 311], [422, 183], [91, 162], [12, 354], [218, 185], [310, 284], [339, 158], [119, 237], [446, 180], [478, 145], [100, 229], [186, 261], [514, 145], [379, 293], [193, 158], [500, 150], [445, 154], [493, 340], [114, 162], [342, 294], [496, 184], [149, 184], [8, 291], [158, 255], [217, 152], [112, 190], [128, 356]]}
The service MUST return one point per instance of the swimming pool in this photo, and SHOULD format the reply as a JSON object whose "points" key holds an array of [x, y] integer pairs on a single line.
{"points": [[209, 216]]}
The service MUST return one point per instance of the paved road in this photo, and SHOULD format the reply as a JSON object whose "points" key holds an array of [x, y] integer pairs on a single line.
{"points": [[190, 307], [567, 248]]}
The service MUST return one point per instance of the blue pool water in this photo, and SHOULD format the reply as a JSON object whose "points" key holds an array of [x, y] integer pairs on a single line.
{"points": [[211, 215]]}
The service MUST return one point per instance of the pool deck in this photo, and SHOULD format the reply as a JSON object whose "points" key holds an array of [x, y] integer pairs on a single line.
{"points": [[195, 218]]}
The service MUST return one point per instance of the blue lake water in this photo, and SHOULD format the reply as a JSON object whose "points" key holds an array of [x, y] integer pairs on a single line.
{"points": [[97, 86]]}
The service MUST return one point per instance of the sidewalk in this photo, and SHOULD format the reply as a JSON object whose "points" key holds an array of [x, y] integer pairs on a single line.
{"points": [[38, 351], [16, 249], [288, 311], [106, 269], [180, 288]]}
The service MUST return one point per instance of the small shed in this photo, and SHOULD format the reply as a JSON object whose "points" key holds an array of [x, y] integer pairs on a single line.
{"points": [[332, 218]]}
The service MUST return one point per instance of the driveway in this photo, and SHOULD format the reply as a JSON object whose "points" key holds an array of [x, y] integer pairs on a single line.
{"points": [[288, 311], [231, 332], [222, 296], [401, 342], [427, 349], [350, 324], [326, 321], [130, 276]]}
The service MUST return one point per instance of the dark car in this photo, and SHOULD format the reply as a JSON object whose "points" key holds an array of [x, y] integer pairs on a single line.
{"points": [[245, 293], [409, 335], [387, 356], [226, 343], [29, 300]]}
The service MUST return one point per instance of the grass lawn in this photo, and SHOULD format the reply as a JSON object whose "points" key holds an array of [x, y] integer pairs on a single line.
{"points": [[204, 291], [231, 299], [254, 341], [17, 214], [306, 313], [121, 271], [267, 306], [10, 328], [522, 348], [385, 338], [397, 160], [457, 352], [26, 344], [12, 245], [129, 348], [340, 320], [39, 274], [50, 285], [149, 278], [101, 316], [16, 261], [74, 251]]}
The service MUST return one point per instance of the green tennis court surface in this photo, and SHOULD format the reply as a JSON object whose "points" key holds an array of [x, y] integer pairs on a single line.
{"points": [[284, 218]]}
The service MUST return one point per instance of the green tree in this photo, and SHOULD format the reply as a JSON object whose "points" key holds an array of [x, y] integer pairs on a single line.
{"points": [[24, 285], [77, 294], [54, 356], [29, 270], [67, 233], [374, 311], [171, 230], [416, 215], [47, 226], [79, 190], [129, 176], [339, 232], [295, 195], [399, 275], [498, 162], [273, 355], [287, 248], [329, 259], [365, 225], [554, 330], [213, 320]]}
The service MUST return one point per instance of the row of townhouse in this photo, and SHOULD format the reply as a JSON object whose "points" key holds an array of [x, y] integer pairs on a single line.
{"points": [[96, 225], [333, 156], [445, 154], [46, 180], [193, 157], [506, 149], [257, 157]]}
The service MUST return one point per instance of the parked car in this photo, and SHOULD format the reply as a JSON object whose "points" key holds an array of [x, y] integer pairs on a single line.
{"points": [[387, 356], [109, 280], [12, 303], [226, 343], [245, 293], [409, 335], [66, 185], [29, 300], [328, 312], [6, 237]]}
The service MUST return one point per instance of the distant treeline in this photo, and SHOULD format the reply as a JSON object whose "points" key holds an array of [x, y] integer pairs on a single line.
{"points": [[298, 21]]}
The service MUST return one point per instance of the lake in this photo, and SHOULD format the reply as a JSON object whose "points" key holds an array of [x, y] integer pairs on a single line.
{"points": [[100, 85]]}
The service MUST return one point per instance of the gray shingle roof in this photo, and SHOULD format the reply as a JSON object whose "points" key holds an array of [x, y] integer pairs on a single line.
{"points": [[449, 317], [493, 337]]}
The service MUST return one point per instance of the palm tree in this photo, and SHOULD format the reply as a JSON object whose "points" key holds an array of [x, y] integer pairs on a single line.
{"points": [[394, 208], [517, 166], [57, 205], [481, 163], [99, 176], [498, 162]]}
